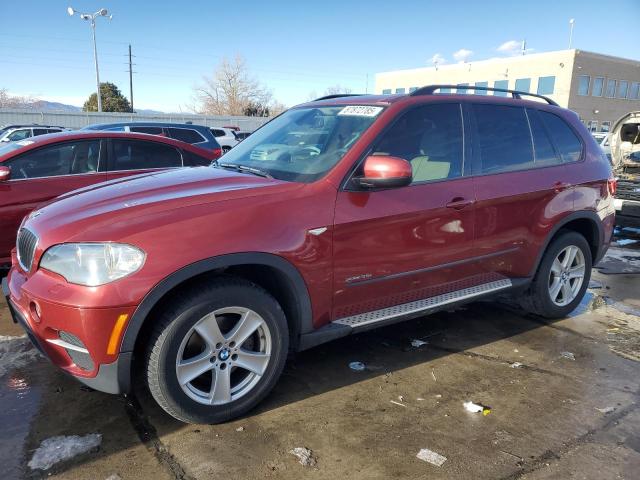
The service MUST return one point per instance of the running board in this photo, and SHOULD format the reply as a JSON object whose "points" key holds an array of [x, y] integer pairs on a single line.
{"points": [[365, 321], [430, 303]]}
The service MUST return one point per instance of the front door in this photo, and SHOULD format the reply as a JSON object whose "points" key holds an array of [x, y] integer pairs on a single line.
{"points": [[405, 244], [39, 175]]}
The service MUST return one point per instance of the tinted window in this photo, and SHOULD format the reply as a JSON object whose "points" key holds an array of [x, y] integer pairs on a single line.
{"points": [[40, 131], [53, 130], [523, 84], [19, 134], [546, 85], [598, 85], [186, 135], [543, 151], [564, 138], [429, 137], [193, 160], [504, 141], [64, 159], [217, 133], [501, 84], [135, 155], [149, 130]]}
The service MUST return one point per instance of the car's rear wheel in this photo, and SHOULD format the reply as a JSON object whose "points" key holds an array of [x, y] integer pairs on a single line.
{"points": [[217, 352], [562, 277]]}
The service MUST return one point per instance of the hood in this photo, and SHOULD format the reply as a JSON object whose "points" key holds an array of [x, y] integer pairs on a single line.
{"points": [[148, 194]]}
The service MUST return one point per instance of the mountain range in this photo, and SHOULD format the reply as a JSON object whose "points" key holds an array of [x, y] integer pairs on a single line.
{"points": [[44, 105]]}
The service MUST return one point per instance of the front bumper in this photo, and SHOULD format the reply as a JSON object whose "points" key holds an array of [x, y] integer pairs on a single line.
{"points": [[72, 338]]}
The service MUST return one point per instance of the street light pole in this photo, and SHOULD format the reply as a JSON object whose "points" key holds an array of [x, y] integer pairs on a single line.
{"points": [[571, 23], [92, 18]]}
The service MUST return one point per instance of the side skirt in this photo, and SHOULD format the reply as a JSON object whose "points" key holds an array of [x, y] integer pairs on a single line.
{"points": [[398, 313]]}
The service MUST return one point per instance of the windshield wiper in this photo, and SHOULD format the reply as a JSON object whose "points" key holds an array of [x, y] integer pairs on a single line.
{"points": [[243, 169]]}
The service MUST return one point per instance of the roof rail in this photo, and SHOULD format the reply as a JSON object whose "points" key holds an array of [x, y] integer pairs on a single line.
{"points": [[430, 90], [338, 95]]}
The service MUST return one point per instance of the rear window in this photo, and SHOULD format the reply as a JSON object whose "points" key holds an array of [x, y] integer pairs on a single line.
{"points": [[186, 135], [504, 140], [149, 130], [566, 141]]}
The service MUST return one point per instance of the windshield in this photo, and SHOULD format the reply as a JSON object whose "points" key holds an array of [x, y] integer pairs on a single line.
{"points": [[10, 147], [302, 144]]}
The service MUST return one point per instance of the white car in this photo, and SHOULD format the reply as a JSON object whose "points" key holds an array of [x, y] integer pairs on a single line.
{"points": [[21, 133], [226, 138]]}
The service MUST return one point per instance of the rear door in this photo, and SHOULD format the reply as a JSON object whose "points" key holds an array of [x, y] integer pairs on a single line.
{"points": [[522, 187], [400, 245], [129, 157], [39, 175]]}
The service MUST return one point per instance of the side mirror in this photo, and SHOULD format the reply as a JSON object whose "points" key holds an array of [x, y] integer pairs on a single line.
{"points": [[5, 173], [385, 171]]}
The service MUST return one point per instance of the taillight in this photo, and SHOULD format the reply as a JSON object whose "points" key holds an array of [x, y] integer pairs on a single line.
{"points": [[217, 152], [612, 183]]}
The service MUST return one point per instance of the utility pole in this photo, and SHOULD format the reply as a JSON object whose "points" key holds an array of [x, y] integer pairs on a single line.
{"points": [[571, 23], [130, 79]]}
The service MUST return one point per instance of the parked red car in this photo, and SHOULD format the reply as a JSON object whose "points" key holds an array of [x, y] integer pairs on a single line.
{"points": [[36, 170], [338, 216]]}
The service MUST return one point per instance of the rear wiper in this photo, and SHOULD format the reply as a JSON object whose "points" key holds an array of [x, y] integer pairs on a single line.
{"points": [[243, 169]]}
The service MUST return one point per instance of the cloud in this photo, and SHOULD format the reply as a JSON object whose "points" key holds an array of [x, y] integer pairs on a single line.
{"points": [[511, 47], [438, 59], [462, 55]]}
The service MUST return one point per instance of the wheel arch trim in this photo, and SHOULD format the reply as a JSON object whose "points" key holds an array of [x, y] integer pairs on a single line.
{"points": [[291, 273]]}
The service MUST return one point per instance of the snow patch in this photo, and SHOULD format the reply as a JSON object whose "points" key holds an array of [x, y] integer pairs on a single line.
{"points": [[15, 352], [57, 449]]}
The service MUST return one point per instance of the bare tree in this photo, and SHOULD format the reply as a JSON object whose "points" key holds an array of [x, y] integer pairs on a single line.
{"points": [[337, 89], [231, 90], [12, 101]]}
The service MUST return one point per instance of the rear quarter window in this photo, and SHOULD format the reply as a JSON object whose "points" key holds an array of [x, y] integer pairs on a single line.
{"points": [[565, 139], [186, 135]]}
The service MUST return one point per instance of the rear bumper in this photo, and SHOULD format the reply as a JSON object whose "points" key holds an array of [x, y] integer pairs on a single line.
{"points": [[627, 213], [109, 377]]}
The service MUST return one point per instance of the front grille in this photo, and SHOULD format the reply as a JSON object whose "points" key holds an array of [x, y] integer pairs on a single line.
{"points": [[628, 190], [27, 242]]}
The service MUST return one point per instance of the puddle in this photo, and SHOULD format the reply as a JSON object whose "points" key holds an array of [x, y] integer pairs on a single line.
{"points": [[21, 388], [589, 302]]}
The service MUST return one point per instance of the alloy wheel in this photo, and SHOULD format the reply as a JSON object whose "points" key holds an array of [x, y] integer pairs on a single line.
{"points": [[566, 275]]}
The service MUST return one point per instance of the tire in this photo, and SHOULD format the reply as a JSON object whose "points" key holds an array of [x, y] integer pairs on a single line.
{"points": [[537, 298], [189, 337]]}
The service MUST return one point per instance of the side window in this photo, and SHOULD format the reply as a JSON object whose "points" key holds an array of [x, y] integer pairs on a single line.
{"points": [[193, 160], [186, 135], [138, 155], [53, 130], [40, 131], [19, 135], [543, 150], [504, 141], [149, 130], [217, 133], [566, 141], [431, 138], [69, 158]]}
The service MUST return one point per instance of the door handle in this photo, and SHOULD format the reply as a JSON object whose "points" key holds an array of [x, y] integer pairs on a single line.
{"points": [[560, 186], [458, 203]]}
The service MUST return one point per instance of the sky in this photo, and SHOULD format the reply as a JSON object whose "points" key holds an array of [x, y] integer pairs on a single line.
{"points": [[294, 48]]}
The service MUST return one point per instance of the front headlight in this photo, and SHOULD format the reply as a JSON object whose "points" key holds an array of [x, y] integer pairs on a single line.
{"points": [[93, 264]]}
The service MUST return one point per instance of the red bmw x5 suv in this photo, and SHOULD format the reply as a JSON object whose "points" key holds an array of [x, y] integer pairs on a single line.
{"points": [[340, 215]]}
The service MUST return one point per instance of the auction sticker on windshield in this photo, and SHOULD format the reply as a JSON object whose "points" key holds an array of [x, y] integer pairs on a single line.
{"points": [[360, 111]]}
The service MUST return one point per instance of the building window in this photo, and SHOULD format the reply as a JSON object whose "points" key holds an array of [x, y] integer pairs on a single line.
{"points": [[461, 88], [605, 127], [523, 84], [634, 91], [445, 90], [399, 90], [504, 84], [483, 85], [623, 88], [386, 91], [583, 85], [546, 85], [593, 126], [611, 89], [412, 89], [598, 86]]}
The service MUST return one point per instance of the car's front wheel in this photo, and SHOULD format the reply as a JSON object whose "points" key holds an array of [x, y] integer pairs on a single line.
{"points": [[217, 351]]}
